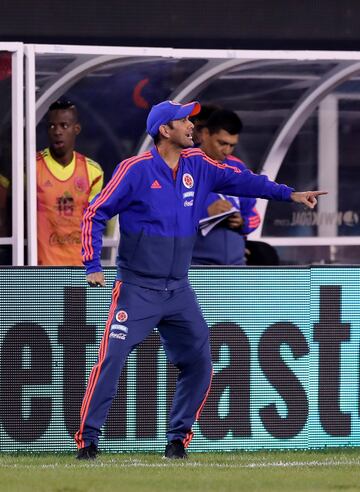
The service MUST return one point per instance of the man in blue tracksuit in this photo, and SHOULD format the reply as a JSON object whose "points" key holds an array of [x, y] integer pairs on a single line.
{"points": [[224, 244], [158, 196]]}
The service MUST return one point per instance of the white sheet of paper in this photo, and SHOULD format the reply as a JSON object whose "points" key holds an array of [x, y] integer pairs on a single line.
{"points": [[208, 223]]}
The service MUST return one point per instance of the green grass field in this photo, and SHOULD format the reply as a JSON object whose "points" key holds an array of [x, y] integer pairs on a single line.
{"points": [[336, 469]]}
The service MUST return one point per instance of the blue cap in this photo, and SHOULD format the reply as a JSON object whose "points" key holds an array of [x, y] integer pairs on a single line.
{"points": [[166, 111]]}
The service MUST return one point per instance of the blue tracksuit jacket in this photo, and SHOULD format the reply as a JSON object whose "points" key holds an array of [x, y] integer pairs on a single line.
{"points": [[159, 210], [223, 245]]}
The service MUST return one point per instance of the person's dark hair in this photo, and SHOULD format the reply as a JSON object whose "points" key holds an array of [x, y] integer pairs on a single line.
{"points": [[223, 119], [206, 111], [158, 136], [64, 104]]}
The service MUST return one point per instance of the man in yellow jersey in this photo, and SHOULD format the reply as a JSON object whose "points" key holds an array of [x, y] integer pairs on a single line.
{"points": [[66, 182]]}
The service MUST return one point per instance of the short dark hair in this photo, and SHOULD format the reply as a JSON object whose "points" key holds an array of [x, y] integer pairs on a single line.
{"points": [[61, 103], [157, 137], [64, 104], [223, 119], [205, 112]]}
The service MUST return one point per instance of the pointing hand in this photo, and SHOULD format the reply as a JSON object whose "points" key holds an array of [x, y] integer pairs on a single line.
{"points": [[308, 198]]}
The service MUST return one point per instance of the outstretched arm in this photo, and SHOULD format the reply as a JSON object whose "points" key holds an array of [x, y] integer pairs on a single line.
{"points": [[308, 198], [230, 180]]}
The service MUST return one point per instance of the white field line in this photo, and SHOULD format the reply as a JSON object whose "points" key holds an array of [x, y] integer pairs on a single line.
{"points": [[187, 464]]}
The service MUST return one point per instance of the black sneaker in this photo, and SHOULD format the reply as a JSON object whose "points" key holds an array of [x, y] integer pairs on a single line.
{"points": [[175, 450], [87, 453]]}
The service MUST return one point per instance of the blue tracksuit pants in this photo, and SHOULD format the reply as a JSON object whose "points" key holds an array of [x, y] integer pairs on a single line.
{"points": [[134, 313]]}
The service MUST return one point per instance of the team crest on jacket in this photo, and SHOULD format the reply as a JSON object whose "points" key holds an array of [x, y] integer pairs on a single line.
{"points": [[121, 316], [188, 180]]}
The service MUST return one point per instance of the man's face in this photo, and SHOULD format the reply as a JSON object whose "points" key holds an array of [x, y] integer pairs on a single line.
{"points": [[180, 132], [62, 131], [218, 145]]}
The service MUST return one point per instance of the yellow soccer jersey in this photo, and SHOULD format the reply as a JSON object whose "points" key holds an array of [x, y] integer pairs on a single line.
{"points": [[63, 193], [63, 173]]}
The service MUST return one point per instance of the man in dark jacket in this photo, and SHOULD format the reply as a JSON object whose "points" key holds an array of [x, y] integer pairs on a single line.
{"points": [[224, 243]]}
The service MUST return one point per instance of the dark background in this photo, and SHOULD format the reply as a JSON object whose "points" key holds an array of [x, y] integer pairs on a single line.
{"points": [[230, 24]]}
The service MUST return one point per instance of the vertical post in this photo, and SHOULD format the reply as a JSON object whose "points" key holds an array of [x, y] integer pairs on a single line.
{"points": [[30, 118], [17, 130], [328, 163]]}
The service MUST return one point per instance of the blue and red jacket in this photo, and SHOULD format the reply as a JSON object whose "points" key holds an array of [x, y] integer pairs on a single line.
{"points": [[159, 211], [223, 245]]}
